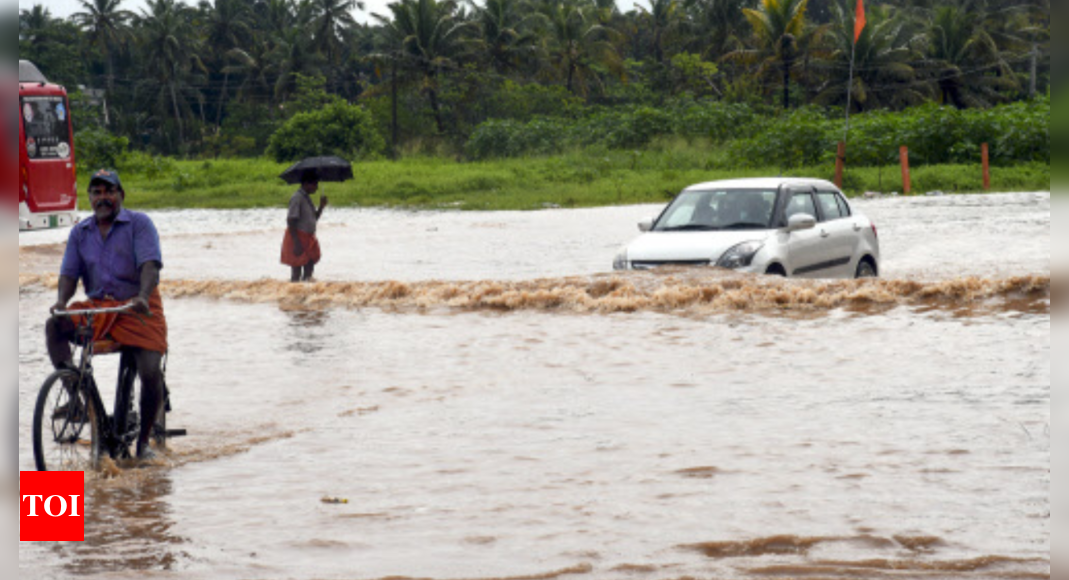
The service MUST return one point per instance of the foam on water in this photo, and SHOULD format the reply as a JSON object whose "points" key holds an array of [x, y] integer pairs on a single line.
{"points": [[668, 292]]}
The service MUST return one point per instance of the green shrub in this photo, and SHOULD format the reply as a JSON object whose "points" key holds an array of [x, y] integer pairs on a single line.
{"points": [[525, 102], [801, 138], [805, 137], [716, 121], [246, 130], [151, 167], [637, 128], [337, 129], [504, 138], [99, 149], [934, 134]]}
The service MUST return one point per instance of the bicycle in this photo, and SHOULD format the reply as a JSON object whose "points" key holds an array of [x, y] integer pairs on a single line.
{"points": [[71, 428]]}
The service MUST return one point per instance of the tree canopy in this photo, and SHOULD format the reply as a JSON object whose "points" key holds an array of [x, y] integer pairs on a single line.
{"points": [[223, 75]]}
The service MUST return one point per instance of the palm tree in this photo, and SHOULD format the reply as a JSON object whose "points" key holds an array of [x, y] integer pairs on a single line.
{"points": [[717, 26], [332, 19], [35, 25], [55, 45], [779, 29], [663, 16], [283, 47], [968, 66], [884, 55], [228, 26], [576, 43], [254, 65], [227, 23], [1040, 36], [170, 49], [293, 54], [504, 37], [426, 36], [105, 24], [273, 17]]}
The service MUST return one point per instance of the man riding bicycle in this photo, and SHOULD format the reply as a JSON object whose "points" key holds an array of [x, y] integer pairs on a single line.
{"points": [[117, 257]]}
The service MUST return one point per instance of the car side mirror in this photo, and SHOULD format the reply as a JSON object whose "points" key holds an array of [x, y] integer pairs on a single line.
{"points": [[801, 221], [645, 225]]}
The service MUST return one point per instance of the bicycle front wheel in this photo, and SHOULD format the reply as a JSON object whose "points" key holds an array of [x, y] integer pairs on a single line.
{"points": [[67, 430]]}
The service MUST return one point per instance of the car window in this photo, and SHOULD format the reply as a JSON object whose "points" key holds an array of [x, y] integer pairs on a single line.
{"points": [[740, 209], [683, 211], [844, 208], [829, 202], [801, 203]]}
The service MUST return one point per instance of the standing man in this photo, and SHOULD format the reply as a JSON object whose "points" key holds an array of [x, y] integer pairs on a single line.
{"points": [[300, 248], [117, 257]]}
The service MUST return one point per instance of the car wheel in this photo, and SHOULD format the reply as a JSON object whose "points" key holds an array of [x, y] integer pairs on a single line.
{"points": [[866, 270], [776, 270]]}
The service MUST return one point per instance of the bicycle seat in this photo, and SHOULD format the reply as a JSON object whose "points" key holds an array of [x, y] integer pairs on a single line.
{"points": [[102, 347]]}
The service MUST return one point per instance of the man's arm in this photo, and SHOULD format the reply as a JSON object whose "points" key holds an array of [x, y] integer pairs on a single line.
{"points": [[67, 287], [150, 280], [323, 201]]}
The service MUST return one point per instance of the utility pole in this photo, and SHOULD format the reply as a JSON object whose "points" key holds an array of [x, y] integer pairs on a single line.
{"points": [[1035, 70]]}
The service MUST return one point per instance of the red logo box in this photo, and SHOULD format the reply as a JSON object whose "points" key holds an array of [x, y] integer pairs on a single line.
{"points": [[52, 506]]}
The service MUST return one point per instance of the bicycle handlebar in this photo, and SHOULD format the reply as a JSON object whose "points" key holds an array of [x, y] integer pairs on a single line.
{"points": [[93, 312]]}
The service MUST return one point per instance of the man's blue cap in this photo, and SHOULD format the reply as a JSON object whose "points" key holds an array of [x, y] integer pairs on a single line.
{"points": [[105, 176]]}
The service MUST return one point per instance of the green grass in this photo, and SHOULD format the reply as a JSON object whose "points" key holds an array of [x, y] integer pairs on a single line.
{"points": [[580, 179]]}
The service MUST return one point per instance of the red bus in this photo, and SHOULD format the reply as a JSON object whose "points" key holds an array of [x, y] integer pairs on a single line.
{"points": [[48, 192]]}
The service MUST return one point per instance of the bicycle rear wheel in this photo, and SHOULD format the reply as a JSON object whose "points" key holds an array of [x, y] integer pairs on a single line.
{"points": [[67, 430]]}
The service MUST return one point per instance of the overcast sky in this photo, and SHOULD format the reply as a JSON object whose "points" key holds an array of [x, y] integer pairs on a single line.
{"points": [[64, 8]]}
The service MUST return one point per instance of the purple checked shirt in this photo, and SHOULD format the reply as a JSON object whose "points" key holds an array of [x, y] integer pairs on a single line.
{"points": [[109, 267]]}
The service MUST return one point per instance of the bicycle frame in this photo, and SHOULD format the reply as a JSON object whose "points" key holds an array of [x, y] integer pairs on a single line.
{"points": [[118, 437], [112, 436]]}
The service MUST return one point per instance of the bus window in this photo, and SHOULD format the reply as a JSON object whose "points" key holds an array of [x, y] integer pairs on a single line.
{"points": [[47, 125]]}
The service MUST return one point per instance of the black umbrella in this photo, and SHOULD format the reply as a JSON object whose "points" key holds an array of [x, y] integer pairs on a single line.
{"points": [[326, 168]]}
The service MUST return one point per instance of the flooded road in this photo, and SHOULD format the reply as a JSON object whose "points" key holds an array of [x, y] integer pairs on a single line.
{"points": [[491, 402]]}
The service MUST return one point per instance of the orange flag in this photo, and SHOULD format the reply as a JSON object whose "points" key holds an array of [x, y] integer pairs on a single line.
{"points": [[859, 22]]}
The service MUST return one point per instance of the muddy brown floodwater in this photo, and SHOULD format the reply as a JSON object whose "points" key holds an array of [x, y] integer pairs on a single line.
{"points": [[484, 399]]}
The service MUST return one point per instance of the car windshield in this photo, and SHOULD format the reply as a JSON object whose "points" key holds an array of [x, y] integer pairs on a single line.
{"points": [[728, 209]]}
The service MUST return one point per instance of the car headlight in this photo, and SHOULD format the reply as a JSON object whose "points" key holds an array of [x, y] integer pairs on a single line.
{"points": [[741, 256], [620, 261]]}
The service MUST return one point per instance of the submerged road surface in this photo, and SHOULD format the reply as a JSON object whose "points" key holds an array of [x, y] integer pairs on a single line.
{"points": [[490, 401]]}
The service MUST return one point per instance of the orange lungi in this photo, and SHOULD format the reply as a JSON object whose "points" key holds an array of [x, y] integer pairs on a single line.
{"points": [[311, 254], [128, 329]]}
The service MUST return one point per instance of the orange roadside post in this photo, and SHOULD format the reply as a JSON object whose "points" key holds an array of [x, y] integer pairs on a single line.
{"points": [[985, 155], [907, 186], [840, 161]]}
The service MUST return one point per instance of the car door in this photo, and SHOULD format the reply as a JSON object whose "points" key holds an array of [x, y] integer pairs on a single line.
{"points": [[806, 253], [839, 236]]}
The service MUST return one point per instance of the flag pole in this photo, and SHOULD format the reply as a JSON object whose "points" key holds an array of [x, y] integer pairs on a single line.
{"points": [[850, 92], [859, 26]]}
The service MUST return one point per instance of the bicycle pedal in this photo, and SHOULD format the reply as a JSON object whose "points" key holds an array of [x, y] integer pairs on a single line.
{"points": [[75, 415]]}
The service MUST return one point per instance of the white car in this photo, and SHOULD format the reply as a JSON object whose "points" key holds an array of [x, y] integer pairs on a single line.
{"points": [[779, 226]]}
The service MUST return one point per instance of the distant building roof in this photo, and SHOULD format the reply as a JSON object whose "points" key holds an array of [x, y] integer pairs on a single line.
{"points": [[29, 73]]}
